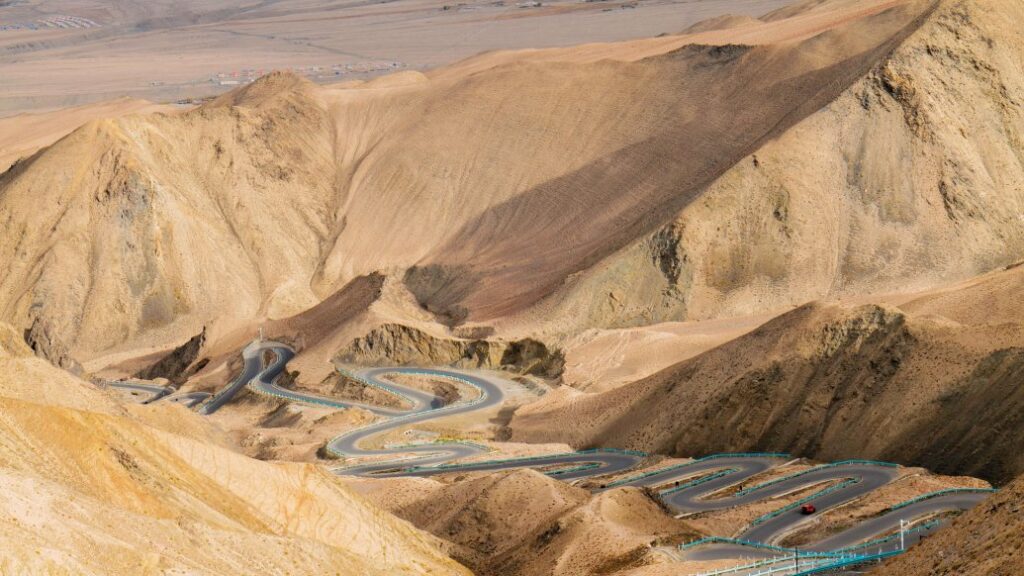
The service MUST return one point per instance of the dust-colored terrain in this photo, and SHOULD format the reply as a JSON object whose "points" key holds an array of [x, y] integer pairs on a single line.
{"points": [[830, 382], [984, 541], [273, 198], [22, 135], [522, 522], [165, 51], [796, 233], [94, 487]]}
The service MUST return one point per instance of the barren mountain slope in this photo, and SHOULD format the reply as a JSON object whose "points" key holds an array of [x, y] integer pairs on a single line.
{"points": [[22, 135], [91, 487], [491, 514], [150, 222], [985, 541], [912, 177], [274, 197], [522, 522], [826, 381]]}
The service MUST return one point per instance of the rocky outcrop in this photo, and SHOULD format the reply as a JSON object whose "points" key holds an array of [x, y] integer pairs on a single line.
{"points": [[397, 344], [43, 341], [175, 365]]}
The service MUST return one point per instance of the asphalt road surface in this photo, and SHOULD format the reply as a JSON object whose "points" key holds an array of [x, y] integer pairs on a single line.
{"points": [[688, 488]]}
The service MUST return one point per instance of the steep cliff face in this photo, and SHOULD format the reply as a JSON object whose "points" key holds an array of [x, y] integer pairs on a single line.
{"points": [[40, 337], [175, 365]]}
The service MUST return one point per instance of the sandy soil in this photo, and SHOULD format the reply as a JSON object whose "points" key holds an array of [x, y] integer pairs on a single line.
{"points": [[22, 135], [269, 429], [515, 193], [985, 540], [87, 483], [599, 360], [522, 522], [167, 51], [449, 390], [192, 187]]}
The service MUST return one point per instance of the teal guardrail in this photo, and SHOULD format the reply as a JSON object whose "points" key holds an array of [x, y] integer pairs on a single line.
{"points": [[440, 443], [698, 481], [579, 468], [790, 552], [804, 500], [743, 455], [682, 465], [456, 465], [849, 562], [769, 562], [440, 411], [648, 474], [751, 544], [815, 469], [614, 451], [367, 382], [938, 493], [885, 539]]}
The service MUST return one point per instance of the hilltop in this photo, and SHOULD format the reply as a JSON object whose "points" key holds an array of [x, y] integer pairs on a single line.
{"points": [[268, 200]]}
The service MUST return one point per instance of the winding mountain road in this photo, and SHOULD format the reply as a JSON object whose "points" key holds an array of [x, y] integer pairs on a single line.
{"points": [[688, 488], [160, 393]]}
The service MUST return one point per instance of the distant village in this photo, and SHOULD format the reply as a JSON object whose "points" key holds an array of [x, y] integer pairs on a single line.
{"points": [[248, 75]]}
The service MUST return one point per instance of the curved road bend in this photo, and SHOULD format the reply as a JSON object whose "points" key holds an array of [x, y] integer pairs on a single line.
{"points": [[865, 477], [252, 369], [491, 394], [863, 531], [161, 393], [157, 392], [421, 401], [190, 399]]}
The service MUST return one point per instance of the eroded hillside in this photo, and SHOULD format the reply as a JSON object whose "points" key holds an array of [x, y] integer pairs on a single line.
{"points": [[94, 487], [524, 523], [829, 381], [544, 207]]}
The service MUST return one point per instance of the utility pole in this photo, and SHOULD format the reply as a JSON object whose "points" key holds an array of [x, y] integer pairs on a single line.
{"points": [[261, 333], [796, 559]]}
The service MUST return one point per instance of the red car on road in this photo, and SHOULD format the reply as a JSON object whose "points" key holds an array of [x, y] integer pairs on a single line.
{"points": [[807, 509]]}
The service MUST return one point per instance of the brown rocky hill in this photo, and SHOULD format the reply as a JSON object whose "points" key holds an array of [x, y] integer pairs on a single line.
{"points": [[603, 185], [830, 382]]}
